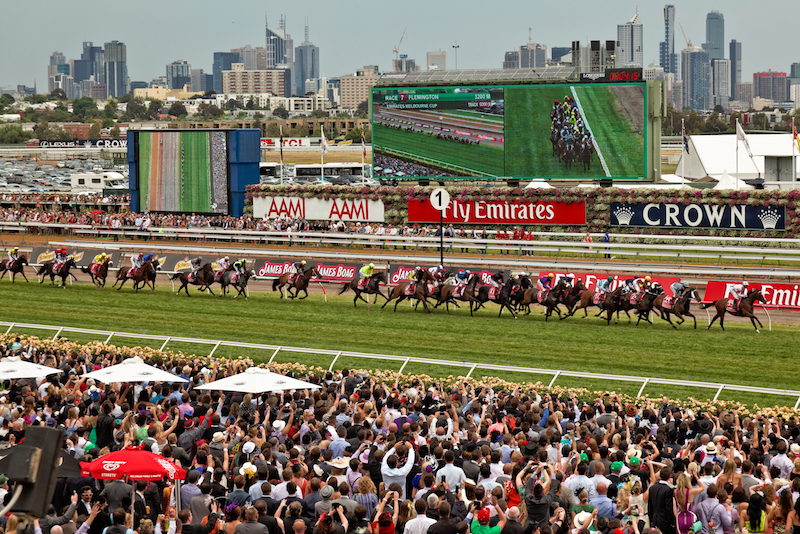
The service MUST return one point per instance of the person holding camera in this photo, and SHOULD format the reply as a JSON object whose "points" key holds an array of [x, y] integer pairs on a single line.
{"points": [[385, 521]]}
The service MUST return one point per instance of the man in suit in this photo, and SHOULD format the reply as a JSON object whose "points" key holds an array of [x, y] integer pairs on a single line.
{"points": [[659, 505], [84, 508], [185, 517], [114, 492], [251, 525], [139, 504]]}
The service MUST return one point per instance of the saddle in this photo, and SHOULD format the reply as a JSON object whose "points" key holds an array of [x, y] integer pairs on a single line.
{"points": [[635, 298], [494, 292], [542, 296], [192, 277], [458, 291], [56, 266], [733, 305], [668, 302], [234, 278], [9, 264], [131, 272], [95, 268], [362, 283], [410, 290], [292, 278], [598, 297]]}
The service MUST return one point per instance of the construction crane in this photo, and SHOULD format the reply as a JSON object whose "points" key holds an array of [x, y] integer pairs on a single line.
{"points": [[688, 42], [396, 50]]}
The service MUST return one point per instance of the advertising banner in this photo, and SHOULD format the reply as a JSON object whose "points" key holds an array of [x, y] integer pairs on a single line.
{"points": [[784, 296], [93, 143], [737, 216], [291, 142], [319, 209], [329, 271], [500, 212], [590, 279]]}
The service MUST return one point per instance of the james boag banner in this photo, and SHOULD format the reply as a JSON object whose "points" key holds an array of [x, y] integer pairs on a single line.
{"points": [[786, 296], [328, 272], [590, 279], [500, 212]]}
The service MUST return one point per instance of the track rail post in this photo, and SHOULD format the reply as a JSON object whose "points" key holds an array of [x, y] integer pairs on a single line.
{"points": [[334, 360], [274, 354], [165, 343]]}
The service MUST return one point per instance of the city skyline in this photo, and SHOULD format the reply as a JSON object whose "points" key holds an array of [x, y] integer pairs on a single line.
{"points": [[348, 41]]}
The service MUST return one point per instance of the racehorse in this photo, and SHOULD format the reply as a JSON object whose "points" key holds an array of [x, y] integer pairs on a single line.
{"points": [[62, 271], [615, 301], [645, 304], [98, 272], [203, 278], [680, 306], [552, 299], [586, 155], [745, 309], [139, 275], [502, 296], [573, 295], [569, 154], [417, 291], [554, 138], [526, 295], [370, 287], [297, 281], [150, 275], [16, 266], [450, 293], [237, 281]]}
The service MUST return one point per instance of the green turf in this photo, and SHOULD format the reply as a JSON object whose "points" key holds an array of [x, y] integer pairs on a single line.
{"points": [[736, 356], [621, 145], [474, 115], [529, 152], [480, 158]]}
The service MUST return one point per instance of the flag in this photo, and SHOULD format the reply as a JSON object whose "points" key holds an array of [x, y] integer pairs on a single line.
{"points": [[743, 138], [685, 139], [281, 142], [364, 144], [324, 143], [794, 135]]}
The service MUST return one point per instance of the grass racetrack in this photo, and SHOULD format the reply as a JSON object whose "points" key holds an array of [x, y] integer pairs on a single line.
{"points": [[736, 356], [481, 158]]}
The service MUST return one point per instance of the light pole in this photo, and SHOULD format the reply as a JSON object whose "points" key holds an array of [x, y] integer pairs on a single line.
{"points": [[456, 47]]}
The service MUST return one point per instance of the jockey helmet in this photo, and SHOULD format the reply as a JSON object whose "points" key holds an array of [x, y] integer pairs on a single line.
{"points": [[501, 271], [468, 272], [15, 249], [303, 262], [199, 258], [141, 255], [745, 283], [371, 265], [226, 258], [440, 267], [646, 278], [610, 278], [551, 275]]}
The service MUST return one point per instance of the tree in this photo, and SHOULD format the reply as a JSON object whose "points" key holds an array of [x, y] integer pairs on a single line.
{"points": [[84, 108], [177, 109], [124, 99], [281, 112], [13, 134], [110, 111], [108, 123], [209, 111], [209, 93], [232, 104], [353, 135], [94, 131], [719, 109], [319, 114], [115, 133], [258, 116], [136, 110], [272, 130], [45, 132], [300, 130], [362, 109], [251, 104], [36, 99], [154, 109], [5, 101], [58, 94]]}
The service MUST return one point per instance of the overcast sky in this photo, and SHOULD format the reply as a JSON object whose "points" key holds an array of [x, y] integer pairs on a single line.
{"points": [[354, 33]]}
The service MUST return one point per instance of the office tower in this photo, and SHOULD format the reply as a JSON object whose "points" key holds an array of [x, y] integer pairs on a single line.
{"points": [[201, 82], [511, 60], [557, 52], [529, 56], [116, 68], [720, 82], [715, 36], [81, 69], [735, 56], [668, 59], [743, 92], [63, 82], [306, 63], [436, 60], [239, 80], [222, 62], [597, 57], [279, 45], [696, 76], [94, 54], [631, 48], [178, 74], [58, 65], [771, 85]]}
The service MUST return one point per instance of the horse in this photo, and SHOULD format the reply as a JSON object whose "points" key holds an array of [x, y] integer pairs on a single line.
{"points": [[239, 283], [615, 301], [371, 287], [527, 294], [569, 154], [62, 271], [573, 294], [552, 299], [204, 277], [299, 282], [554, 138], [150, 275], [98, 272], [14, 267], [745, 309], [447, 293], [502, 296], [418, 291], [586, 155], [646, 303], [139, 275], [680, 306]]}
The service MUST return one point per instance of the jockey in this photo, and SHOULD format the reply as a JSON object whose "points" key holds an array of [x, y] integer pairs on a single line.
{"points": [[299, 266], [240, 265], [738, 292], [100, 259], [13, 254], [632, 284], [497, 279], [223, 264], [61, 256], [437, 272], [545, 283], [366, 271], [136, 261], [148, 257], [678, 288], [196, 263], [462, 277]]}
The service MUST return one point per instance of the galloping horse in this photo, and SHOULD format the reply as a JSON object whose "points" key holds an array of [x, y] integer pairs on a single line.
{"points": [[526, 295], [680, 306], [142, 274], [586, 155], [501, 296], [573, 294], [299, 282], [418, 291], [15, 267], [62, 271], [98, 272], [237, 281], [371, 287], [553, 298], [745, 309], [450, 293], [203, 278], [585, 299], [646, 303], [150, 275]]}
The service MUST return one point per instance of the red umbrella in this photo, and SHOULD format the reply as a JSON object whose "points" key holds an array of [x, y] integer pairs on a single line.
{"points": [[96, 212], [138, 464]]}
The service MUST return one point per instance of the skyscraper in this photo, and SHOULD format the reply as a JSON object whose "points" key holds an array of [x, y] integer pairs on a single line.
{"points": [[222, 62], [436, 60], [280, 50], [720, 82], [58, 65], [116, 68], [696, 77], [630, 37], [771, 85], [306, 63], [178, 74], [736, 64], [668, 59], [95, 55], [715, 36]]}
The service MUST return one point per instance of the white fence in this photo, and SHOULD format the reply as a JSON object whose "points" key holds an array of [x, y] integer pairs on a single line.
{"points": [[336, 354]]}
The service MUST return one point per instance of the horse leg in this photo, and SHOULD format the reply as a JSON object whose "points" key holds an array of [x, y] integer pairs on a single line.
{"points": [[714, 319], [122, 284], [388, 300], [306, 293], [399, 299], [208, 288]]}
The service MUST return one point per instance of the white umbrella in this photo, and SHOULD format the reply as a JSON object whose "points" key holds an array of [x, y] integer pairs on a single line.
{"points": [[257, 380], [133, 370], [12, 367]]}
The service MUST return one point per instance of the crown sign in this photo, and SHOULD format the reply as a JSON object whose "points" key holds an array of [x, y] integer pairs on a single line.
{"points": [[623, 215], [769, 218]]}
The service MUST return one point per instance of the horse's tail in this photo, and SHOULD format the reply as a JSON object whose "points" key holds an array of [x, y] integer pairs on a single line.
{"points": [[275, 284], [85, 270], [174, 276], [709, 305], [345, 287]]}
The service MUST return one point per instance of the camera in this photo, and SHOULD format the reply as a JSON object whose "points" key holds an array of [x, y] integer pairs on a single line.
{"points": [[476, 504]]}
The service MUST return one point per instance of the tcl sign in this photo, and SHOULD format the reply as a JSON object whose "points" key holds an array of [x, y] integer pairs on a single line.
{"points": [[292, 142]]}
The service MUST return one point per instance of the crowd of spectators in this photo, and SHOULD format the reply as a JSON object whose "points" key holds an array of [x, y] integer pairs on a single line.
{"points": [[358, 455], [83, 198], [407, 168]]}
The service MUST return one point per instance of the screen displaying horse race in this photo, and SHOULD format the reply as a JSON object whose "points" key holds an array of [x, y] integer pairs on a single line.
{"points": [[580, 131], [183, 171]]}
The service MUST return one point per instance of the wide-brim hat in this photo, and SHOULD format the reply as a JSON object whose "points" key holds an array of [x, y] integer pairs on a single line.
{"points": [[581, 518], [339, 463]]}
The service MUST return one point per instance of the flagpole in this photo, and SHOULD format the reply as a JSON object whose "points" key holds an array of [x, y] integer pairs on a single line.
{"points": [[737, 154], [794, 156], [322, 154], [683, 158]]}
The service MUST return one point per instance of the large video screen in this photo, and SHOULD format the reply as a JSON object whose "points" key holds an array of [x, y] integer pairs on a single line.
{"points": [[580, 131], [183, 171]]}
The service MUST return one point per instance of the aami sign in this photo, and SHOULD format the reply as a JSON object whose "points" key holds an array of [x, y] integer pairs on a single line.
{"points": [[318, 209]]}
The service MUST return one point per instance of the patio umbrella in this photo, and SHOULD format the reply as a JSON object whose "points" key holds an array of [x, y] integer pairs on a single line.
{"points": [[137, 463], [257, 380], [133, 370], [13, 367], [96, 212]]}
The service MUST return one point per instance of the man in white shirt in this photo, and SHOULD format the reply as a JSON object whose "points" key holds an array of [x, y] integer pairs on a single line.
{"points": [[781, 460], [454, 476], [421, 523]]}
